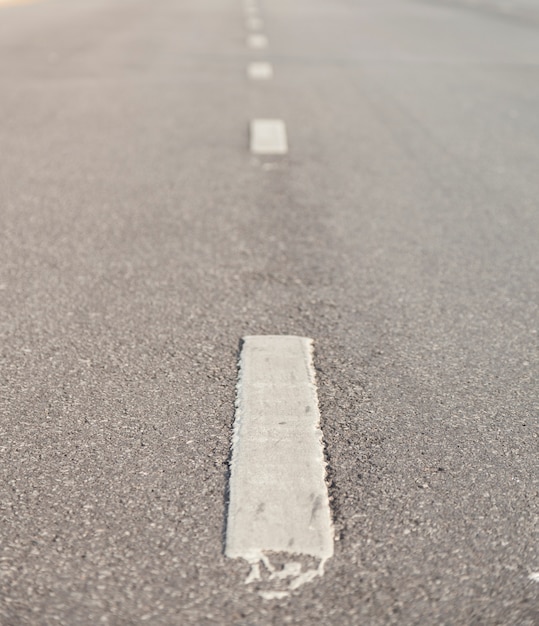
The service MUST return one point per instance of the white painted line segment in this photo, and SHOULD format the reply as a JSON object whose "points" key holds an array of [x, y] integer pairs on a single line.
{"points": [[254, 23], [268, 137], [278, 494], [256, 41], [9, 2], [260, 71]]}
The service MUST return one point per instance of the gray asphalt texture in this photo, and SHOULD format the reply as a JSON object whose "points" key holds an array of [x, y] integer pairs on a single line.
{"points": [[139, 241]]}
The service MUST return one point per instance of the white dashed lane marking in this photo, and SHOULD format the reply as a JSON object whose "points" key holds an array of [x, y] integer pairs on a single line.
{"points": [[260, 71], [268, 137], [254, 23], [8, 2], [278, 495], [256, 41], [251, 9]]}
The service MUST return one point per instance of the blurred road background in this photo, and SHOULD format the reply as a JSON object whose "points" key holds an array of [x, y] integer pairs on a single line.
{"points": [[140, 240]]}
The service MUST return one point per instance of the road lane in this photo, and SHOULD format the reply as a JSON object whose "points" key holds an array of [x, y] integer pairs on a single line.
{"points": [[140, 240]]}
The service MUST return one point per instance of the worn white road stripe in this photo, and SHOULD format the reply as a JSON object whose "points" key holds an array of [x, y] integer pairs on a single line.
{"points": [[260, 71], [268, 137], [256, 41], [278, 494], [8, 2], [254, 23]]}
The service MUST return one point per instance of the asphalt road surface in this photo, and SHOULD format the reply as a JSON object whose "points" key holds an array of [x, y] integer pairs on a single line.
{"points": [[140, 240]]}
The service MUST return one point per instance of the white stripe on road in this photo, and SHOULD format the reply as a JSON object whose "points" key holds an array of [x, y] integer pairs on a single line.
{"points": [[260, 71], [268, 137], [254, 23], [257, 41], [9, 2], [278, 495]]}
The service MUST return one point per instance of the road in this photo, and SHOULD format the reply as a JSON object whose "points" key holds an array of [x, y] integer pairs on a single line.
{"points": [[140, 240]]}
